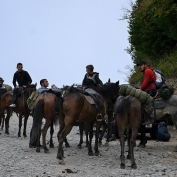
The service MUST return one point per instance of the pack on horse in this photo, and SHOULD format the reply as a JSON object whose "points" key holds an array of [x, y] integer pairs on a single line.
{"points": [[21, 109], [76, 107], [128, 117], [46, 106]]}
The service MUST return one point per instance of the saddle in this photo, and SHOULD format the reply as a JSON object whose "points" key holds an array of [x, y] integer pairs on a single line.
{"points": [[90, 95]]}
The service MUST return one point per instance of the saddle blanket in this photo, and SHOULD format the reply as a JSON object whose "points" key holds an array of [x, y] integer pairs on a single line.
{"points": [[89, 99]]}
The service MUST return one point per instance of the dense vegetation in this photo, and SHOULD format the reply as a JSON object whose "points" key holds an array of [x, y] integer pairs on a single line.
{"points": [[153, 35]]}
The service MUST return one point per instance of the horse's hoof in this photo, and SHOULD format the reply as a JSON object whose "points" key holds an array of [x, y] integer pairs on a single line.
{"points": [[67, 145], [32, 146], [24, 135], [128, 157], [61, 162], [122, 166], [97, 153], [51, 145], [19, 135], [46, 150], [37, 149], [79, 146], [60, 157], [134, 166], [90, 153]]}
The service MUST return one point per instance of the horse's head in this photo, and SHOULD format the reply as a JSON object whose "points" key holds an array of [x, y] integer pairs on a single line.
{"points": [[111, 90], [30, 89], [67, 89]]}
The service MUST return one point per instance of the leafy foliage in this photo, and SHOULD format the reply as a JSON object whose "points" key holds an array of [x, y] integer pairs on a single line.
{"points": [[153, 34]]}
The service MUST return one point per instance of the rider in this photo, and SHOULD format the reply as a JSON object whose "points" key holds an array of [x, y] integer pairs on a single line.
{"points": [[91, 78], [44, 87], [148, 86], [23, 79], [2, 88]]}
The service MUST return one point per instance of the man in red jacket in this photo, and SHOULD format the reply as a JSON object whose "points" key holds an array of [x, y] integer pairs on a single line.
{"points": [[149, 78], [148, 86]]}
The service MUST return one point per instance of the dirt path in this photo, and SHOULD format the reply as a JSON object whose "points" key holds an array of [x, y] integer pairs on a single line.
{"points": [[16, 159]]}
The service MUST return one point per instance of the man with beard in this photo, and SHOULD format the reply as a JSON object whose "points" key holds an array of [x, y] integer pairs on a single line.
{"points": [[2, 88]]}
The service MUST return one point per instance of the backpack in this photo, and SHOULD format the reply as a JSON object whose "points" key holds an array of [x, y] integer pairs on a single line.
{"points": [[160, 79], [162, 132]]}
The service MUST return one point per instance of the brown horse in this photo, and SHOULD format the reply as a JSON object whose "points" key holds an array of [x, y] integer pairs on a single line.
{"points": [[46, 106], [21, 109], [128, 116], [75, 107]]}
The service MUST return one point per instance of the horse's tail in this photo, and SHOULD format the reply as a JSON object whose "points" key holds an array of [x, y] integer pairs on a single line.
{"points": [[58, 109], [124, 106], [37, 120]]}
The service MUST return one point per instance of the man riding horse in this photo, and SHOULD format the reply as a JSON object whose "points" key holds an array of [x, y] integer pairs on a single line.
{"points": [[23, 79]]}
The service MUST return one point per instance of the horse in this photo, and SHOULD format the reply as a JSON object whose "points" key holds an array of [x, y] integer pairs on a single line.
{"points": [[21, 109], [75, 107], [163, 109], [46, 106], [106, 122], [127, 112], [8, 88]]}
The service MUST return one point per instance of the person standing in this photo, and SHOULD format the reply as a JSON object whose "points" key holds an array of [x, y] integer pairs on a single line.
{"points": [[21, 79], [148, 85]]}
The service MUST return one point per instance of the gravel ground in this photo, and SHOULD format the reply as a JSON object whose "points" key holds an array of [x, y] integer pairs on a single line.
{"points": [[16, 159]]}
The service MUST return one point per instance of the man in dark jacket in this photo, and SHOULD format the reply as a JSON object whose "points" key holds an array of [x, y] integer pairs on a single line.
{"points": [[2, 88], [91, 78], [23, 79]]}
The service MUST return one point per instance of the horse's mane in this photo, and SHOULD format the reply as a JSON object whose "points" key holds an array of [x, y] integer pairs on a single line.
{"points": [[124, 106]]}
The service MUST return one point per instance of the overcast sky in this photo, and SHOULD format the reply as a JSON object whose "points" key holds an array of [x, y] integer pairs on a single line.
{"points": [[56, 39]]}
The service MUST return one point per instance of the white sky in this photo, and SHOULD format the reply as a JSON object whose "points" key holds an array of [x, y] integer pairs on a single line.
{"points": [[56, 39]]}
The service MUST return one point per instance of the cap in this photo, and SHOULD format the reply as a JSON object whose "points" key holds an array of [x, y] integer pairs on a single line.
{"points": [[141, 63], [1, 79]]}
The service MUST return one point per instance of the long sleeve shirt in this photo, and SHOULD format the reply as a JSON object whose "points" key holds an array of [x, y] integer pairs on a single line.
{"points": [[149, 79], [22, 78]]}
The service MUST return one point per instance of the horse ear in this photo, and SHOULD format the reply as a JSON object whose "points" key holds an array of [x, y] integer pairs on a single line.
{"points": [[72, 85], [35, 84], [117, 83], [109, 80]]}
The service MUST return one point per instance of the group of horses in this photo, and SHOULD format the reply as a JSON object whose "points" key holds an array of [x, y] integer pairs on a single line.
{"points": [[71, 106]]}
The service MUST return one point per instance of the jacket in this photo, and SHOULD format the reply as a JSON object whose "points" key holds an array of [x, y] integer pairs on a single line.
{"points": [[149, 79], [22, 78], [91, 80]]}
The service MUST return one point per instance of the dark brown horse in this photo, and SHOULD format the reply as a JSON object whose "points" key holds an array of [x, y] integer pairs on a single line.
{"points": [[128, 117], [75, 107], [21, 109], [46, 106]]}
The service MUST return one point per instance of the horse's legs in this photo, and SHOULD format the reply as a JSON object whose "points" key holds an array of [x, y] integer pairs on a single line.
{"points": [[128, 133], [51, 136], [98, 126], [102, 133], [7, 121], [81, 130], [90, 152], [86, 134], [20, 124], [122, 144], [132, 145], [143, 140], [38, 141], [44, 132], [25, 123], [2, 122], [62, 137]]}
